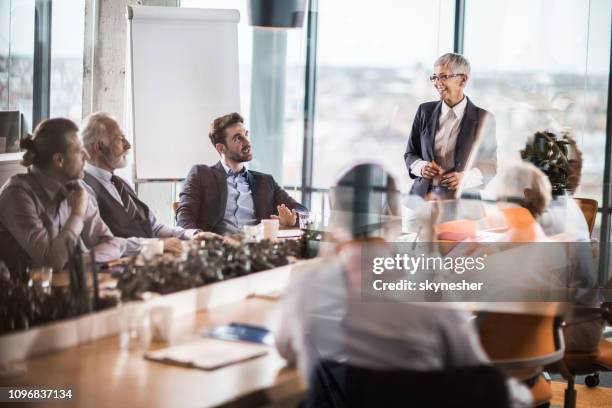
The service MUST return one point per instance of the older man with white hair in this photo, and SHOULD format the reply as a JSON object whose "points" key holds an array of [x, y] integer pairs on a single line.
{"points": [[452, 143], [126, 215]]}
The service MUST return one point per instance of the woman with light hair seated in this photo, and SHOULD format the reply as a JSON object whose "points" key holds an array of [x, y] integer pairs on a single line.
{"points": [[523, 193]]}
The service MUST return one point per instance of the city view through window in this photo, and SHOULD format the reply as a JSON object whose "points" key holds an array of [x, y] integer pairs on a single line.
{"points": [[531, 72]]}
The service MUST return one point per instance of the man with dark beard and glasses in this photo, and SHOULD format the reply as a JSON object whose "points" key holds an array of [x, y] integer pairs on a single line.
{"points": [[120, 208], [225, 197]]}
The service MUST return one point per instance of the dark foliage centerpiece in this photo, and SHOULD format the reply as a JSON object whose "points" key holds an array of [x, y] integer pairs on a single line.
{"points": [[23, 305], [215, 261]]}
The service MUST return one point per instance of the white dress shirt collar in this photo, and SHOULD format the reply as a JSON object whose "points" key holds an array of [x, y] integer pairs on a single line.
{"points": [[98, 172], [458, 109], [227, 168]]}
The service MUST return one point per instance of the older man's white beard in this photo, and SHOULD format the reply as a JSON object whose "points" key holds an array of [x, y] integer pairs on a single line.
{"points": [[118, 162]]}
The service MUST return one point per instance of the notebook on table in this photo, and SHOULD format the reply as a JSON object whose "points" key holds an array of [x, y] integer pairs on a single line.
{"points": [[208, 353]]}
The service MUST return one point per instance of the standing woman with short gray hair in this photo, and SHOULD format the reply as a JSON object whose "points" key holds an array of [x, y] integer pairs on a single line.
{"points": [[452, 145]]}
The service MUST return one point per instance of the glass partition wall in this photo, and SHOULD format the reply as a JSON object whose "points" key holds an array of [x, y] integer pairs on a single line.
{"points": [[374, 61], [548, 72], [346, 86], [536, 65], [271, 64], [545, 65]]}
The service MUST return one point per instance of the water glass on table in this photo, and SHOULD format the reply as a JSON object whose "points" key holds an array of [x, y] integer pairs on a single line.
{"points": [[40, 277], [134, 325], [252, 233], [305, 220]]}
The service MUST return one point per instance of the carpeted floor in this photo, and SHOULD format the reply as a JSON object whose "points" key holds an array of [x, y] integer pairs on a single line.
{"points": [[599, 397], [605, 379]]}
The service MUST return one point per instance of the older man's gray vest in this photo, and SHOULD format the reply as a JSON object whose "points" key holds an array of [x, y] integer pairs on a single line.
{"points": [[116, 216]]}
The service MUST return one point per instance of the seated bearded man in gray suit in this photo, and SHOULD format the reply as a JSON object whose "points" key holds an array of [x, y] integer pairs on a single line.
{"points": [[225, 197], [121, 209], [452, 144]]}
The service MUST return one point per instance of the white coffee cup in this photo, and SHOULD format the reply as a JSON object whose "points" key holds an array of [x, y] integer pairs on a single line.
{"points": [[270, 229]]}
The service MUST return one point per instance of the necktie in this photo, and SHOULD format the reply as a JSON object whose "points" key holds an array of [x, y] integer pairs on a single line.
{"points": [[443, 157], [126, 198], [449, 124]]}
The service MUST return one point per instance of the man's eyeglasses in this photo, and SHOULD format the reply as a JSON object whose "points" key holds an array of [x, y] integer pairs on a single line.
{"points": [[443, 77]]}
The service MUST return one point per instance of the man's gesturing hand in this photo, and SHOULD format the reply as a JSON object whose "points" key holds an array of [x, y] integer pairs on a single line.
{"points": [[285, 216]]}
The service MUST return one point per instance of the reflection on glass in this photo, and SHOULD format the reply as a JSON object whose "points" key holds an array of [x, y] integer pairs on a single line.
{"points": [[276, 84], [544, 66], [370, 85]]}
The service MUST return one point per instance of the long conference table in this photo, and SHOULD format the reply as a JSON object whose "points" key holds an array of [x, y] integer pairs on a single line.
{"points": [[101, 374]]}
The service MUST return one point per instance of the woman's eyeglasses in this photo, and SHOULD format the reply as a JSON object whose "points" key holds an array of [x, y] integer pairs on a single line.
{"points": [[443, 77]]}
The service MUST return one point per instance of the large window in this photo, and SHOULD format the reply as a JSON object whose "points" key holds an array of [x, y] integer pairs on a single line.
{"points": [[543, 65], [271, 73], [16, 59], [275, 122], [374, 59], [68, 29], [17, 34]]}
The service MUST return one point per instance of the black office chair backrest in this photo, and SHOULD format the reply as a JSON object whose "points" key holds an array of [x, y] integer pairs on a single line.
{"points": [[335, 385]]}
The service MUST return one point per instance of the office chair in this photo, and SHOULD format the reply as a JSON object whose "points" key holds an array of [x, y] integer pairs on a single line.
{"points": [[589, 210], [521, 345], [588, 364], [337, 385]]}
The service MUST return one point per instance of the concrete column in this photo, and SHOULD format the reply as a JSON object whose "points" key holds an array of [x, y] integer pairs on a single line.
{"points": [[104, 60]]}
